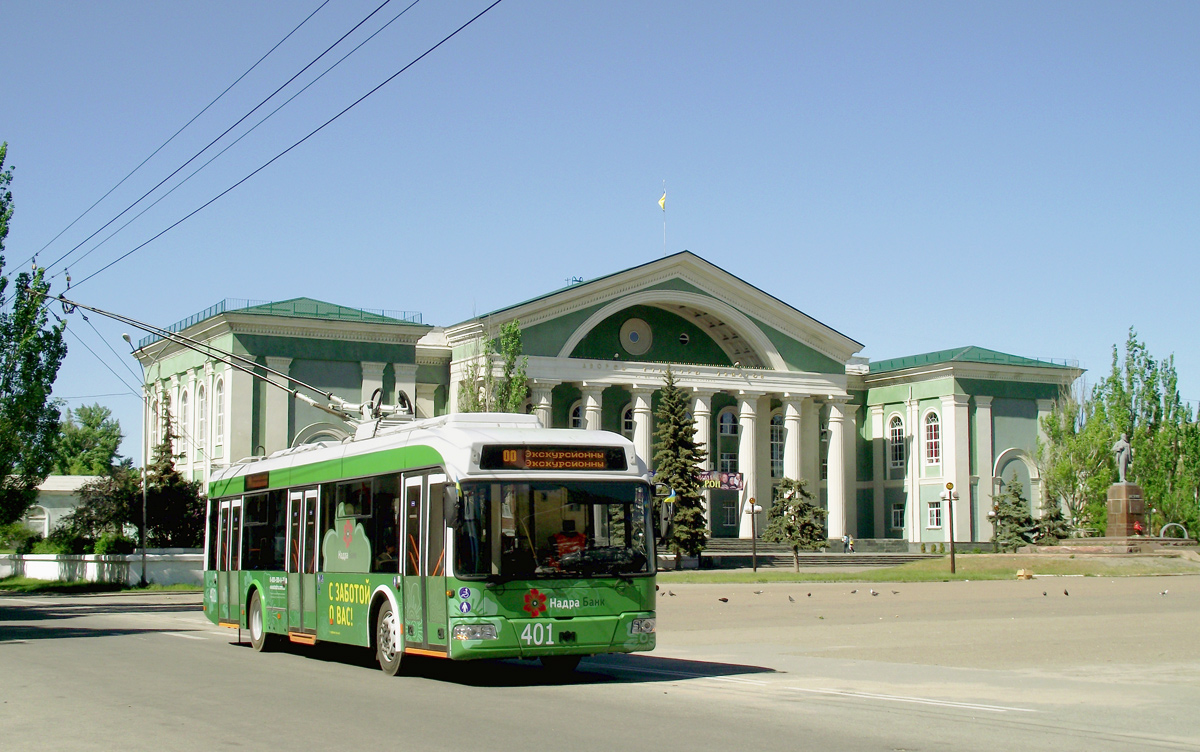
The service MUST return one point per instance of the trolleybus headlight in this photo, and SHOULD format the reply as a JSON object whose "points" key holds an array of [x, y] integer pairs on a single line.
{"points": [[474, 632], [642, 626]]}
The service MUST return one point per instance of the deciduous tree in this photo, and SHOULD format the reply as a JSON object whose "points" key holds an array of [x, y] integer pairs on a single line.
{"points": [[31, 350], [89, 440]]}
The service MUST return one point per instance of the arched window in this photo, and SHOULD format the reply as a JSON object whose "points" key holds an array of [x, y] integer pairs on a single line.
{"points": [[727, 424], [777, 434], [896, 442], [933, 439], [577, 415], [183, 426], [219, 414], [627, 422], [201, 421]]}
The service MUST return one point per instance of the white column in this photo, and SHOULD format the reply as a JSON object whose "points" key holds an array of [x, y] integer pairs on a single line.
{"points": [[189, 430], [702, 413], [593, 401], [542, 395], [747, 455], [912, 482], [983, 462], [956, 465], [209, 431], [406, 381], [850, 468], [643, 437], [878, 465], [793, 410], [372, 379], [174, 412], [836, 484], [277, 435]]}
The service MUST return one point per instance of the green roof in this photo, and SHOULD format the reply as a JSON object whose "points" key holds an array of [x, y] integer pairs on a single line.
{"points": [[970, 354], [298, 307]]}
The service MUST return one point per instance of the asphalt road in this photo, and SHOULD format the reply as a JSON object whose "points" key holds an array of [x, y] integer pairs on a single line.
{"points": [[1114, 665]]}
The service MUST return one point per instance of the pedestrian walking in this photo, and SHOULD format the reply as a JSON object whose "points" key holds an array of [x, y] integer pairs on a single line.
{"points": [[845, 544]]}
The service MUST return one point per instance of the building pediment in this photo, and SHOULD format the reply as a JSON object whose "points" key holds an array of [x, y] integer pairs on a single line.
{"points": [[751, 328]]}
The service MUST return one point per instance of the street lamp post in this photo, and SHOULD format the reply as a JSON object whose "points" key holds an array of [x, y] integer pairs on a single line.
{"points": [[950, 496], [145, 433], [753, 509]]}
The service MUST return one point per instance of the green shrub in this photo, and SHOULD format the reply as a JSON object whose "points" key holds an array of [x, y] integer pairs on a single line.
{"points": [[61, 542], [941, 548], [114, 543], [18, 538], [922, 548]]}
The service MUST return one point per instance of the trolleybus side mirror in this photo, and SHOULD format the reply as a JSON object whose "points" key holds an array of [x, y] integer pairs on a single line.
{"points": [[661, 490], [450, 505]]}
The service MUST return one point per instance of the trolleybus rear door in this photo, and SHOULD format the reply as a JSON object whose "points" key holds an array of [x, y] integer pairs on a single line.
{"points": [[229, 554], [302, 560]]}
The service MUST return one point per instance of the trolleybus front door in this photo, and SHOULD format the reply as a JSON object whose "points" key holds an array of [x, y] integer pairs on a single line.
{"points": [[425, 620], [229, 554], [302, 561]]}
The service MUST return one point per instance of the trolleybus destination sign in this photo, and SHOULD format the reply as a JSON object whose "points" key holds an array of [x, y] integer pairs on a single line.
{"points": [[502, 457]]}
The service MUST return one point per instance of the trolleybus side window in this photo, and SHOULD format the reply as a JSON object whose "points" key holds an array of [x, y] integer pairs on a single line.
{"points": [[211, 541], [264, 522], [437, 526], [235, 548], [384, 534], [310, 537], [223, 538]]}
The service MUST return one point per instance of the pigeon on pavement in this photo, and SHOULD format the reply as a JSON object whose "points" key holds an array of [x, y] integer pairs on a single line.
{"points": [[723, 600], [793, 600], [1065, 592]]}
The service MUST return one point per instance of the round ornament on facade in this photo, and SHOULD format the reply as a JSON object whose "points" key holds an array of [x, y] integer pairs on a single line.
{"points": [[684, 339], [636, 337]]}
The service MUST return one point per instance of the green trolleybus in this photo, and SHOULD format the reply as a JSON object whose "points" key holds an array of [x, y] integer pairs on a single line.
{"points": [[465, 536]]}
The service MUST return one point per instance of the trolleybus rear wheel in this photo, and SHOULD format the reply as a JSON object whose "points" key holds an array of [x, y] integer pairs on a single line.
{"points": [[259, 637], [388, 649], [561, 665]]}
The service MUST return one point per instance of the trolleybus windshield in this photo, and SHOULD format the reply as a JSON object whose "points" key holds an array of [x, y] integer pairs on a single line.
{"points": [[553, 529]]}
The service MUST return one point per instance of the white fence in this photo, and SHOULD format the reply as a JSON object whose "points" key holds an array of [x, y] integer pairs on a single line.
{"points": [[165, 566]]}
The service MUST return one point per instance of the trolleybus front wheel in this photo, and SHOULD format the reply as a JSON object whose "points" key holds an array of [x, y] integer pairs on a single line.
{"points": [[388, 649], [561, 665], [259, 637]]}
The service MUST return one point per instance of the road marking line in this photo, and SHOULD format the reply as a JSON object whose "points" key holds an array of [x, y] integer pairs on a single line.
{"points": [[915, 700], [185, 636], [735, 680]]}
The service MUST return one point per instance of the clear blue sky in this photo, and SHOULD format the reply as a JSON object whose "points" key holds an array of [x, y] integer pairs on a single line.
{"points": [[1019, 176]]}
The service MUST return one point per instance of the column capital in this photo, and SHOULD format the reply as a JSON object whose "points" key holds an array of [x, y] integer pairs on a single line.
{"points": [[1045, 405], [981, 401], [876, 410], [958, 400], [635, 390]]}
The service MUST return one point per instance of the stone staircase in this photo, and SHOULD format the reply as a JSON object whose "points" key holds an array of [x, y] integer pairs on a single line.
{"points": [[736, 552]]}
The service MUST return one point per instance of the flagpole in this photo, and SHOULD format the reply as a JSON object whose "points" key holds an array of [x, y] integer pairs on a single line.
{"points": [[664, 209]]}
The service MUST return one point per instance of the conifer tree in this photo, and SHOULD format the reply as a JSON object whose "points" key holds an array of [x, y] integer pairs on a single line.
{"points": [[1013, 526], [678, 461], [174, 510], [1052, 526], [795, 519]]}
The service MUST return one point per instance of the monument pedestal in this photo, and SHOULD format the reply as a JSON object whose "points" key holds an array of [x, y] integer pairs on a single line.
{"points": [[1125, 507]]}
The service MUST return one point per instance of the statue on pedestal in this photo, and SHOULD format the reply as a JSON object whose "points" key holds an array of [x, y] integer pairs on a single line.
{"points": [[1124, 455]]}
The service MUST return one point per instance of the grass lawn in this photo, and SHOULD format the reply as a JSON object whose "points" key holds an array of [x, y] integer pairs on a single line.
{"points": [[968, 567], [28, 585]]}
